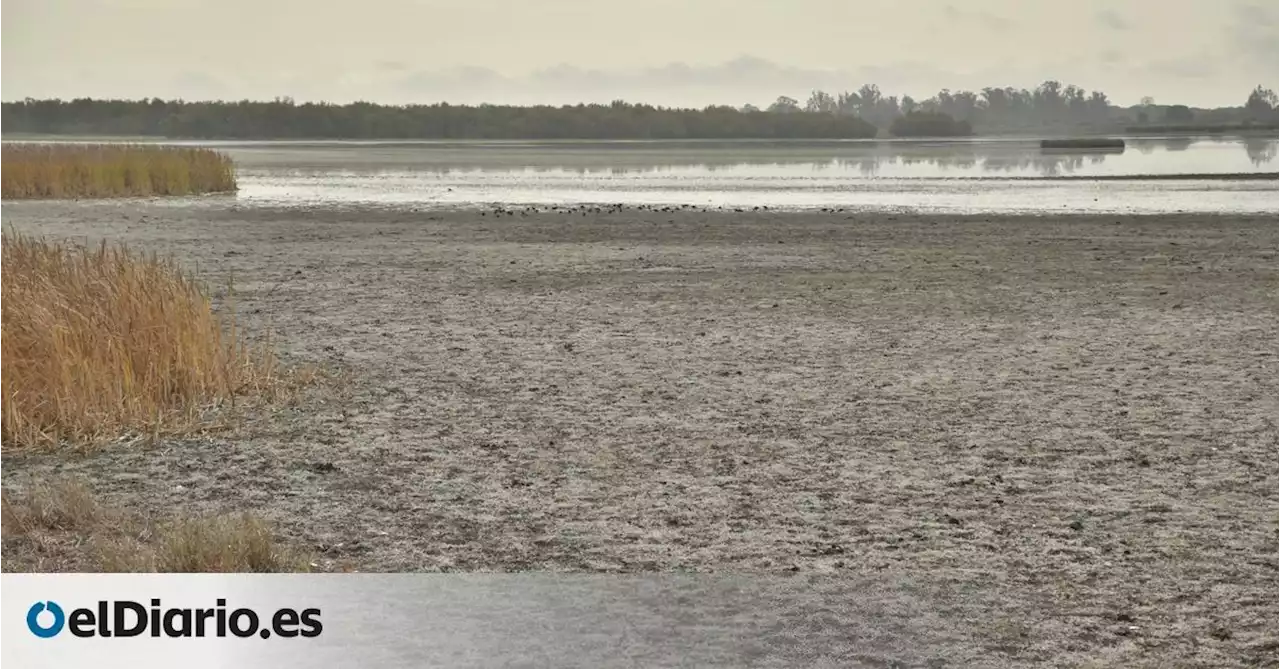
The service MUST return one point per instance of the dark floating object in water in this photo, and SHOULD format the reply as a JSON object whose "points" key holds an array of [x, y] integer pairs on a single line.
{"points": [[1083, 143], [1186, 176]]}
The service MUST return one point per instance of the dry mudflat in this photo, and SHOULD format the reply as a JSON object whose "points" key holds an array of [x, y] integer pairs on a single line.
{"points": [[1057, 433]]}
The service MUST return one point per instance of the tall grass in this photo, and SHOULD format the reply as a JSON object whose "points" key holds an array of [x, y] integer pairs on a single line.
{"points": [[34, 171], [98, 343]]}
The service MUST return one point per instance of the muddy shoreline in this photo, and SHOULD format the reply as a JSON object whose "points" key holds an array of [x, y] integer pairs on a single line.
{"points": [[1061, 428]]}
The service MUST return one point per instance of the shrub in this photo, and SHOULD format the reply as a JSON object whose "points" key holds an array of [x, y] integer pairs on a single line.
{"points": [[35, 171]]}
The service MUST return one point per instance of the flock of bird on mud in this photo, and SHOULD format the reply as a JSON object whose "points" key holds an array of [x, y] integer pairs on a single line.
{"points": [[585, 209]]}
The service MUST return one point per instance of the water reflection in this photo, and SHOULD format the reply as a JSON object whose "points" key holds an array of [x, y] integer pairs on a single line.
{"points": [[833, 161], [972, 176], [1142, 156], [1149, 145], [1261, 150]]}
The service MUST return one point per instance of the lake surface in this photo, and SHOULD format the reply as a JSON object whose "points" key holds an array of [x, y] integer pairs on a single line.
{"points": [[1161, 174]]}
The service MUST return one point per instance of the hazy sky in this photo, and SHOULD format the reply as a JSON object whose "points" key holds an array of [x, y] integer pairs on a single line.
{"points": [[688, 52]]}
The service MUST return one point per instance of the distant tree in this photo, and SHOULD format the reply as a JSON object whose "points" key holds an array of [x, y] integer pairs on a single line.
{"points": [[908, 104], [929, 124], [996, 99], [1261, 104], [1048, 101], [1099, 106], [868, 98], [962, 105], [946, 102], [1077, 104], [873, 106], [785, 105], [1146, 109], [1178, 114], [888, 109], [848, 103], [821, 103]]}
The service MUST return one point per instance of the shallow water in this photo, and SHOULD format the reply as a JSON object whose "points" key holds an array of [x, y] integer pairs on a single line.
{"points": [[997, 175]]}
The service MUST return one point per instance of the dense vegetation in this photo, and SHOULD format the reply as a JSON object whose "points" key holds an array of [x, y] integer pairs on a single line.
{"points": [[284, 119], [854, 114], [1207, 128], [33, 171], [1050, 106], [929, 124]]}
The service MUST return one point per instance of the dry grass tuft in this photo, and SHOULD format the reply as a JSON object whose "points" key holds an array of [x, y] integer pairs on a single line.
{"points": [[36, 171], [99, 343], [66, 506], [228, 543], [62, 527]]}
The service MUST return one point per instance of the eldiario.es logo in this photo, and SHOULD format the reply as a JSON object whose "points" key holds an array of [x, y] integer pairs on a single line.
{"points": [[124, 618]]}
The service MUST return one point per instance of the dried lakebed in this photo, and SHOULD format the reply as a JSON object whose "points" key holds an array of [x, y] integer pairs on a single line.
{"points": [[1058, 433]]}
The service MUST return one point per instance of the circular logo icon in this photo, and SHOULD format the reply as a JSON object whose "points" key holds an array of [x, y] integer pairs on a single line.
{"points": [[45, 631]]}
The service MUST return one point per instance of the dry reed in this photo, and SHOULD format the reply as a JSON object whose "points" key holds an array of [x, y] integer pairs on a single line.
{"points": [[40, 171], [100, 343]]}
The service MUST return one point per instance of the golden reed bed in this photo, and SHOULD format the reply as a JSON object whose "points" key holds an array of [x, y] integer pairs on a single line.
{"points": [[99, 343], [51, 171]]}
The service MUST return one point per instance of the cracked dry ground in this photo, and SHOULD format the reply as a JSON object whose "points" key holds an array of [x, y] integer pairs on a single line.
{"points": [[1062, 427]]}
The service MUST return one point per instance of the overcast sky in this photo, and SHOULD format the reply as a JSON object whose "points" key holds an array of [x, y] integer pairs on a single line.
{"points": [[685, 52]]}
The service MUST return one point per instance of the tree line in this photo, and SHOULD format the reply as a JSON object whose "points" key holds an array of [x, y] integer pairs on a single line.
{"points": [[1051, 105], [863, 113], [283, 119]]}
